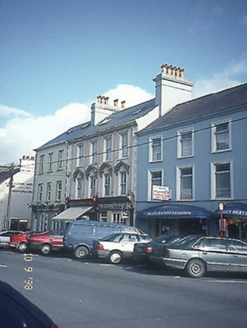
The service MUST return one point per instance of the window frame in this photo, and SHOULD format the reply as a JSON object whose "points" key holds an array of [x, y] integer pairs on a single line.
{"points": [[214, 134], [150, 180], [124, 142], [48, 191], [59, 188], [179, 182], [80, 154], [94, 152], [214, 180], [50, 162], [151, 149], [180, 147], [108, 148], [60, 162], [40, 192], [42, 164]]}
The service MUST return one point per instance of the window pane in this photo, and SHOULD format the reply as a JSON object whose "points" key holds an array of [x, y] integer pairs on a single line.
{"points": [[156, 147], [186, 183], [186, 144], [223, 186], [222, 136]]}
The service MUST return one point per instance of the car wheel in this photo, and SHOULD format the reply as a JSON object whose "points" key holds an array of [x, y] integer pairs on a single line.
{"points": [[22, 247], [45, 249], [195, 268], [115, 257], [81, 252]]}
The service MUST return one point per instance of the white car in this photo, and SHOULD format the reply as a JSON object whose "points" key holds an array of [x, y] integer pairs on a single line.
{"points": [[118, 246], [5, 237]]}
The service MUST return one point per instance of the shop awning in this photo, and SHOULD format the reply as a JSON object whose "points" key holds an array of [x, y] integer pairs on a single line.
{"points": [[178, 211], [233, 210], [72, 213]]}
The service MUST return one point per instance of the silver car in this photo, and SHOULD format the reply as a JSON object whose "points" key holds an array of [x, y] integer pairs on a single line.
{"points": [[200, 254], [117, 246]]}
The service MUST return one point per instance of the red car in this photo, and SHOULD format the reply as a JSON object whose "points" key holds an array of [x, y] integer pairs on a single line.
{"points": [[20, 241], [46, 242]]}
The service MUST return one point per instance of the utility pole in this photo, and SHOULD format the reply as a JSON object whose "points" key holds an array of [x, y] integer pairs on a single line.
{"points": [[9, 196]]}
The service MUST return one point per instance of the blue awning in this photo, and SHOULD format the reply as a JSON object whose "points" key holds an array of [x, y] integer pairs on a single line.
{"points": [[233, 210], [175, 211]]}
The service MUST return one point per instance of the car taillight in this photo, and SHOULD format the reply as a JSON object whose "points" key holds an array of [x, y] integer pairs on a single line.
{"points": [[148, 250], [100, 246], [167, 253], [54, 326]]}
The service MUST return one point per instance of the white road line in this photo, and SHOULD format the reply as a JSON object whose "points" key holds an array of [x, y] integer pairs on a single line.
{"points": [[3, 266], [227, 281]]}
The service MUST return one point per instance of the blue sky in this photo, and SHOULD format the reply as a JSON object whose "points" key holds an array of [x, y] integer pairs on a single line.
{"points": [[56, 56]]}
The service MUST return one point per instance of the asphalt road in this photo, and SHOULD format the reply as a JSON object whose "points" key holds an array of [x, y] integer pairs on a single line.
{"points": [[90, 294]]}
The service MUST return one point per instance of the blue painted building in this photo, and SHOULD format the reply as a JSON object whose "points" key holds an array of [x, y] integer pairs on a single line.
{"points": [[191, 159]]}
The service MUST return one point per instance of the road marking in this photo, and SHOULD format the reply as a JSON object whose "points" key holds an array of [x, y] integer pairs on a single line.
{"points": [[226, 281], [3, 266]]}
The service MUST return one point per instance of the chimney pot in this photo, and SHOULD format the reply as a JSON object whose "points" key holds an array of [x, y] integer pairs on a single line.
{"points": [[106, 100], [116, 103], [123, 103]]}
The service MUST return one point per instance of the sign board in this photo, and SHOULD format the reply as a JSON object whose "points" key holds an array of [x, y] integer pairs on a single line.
{"points": [[161, 193]]}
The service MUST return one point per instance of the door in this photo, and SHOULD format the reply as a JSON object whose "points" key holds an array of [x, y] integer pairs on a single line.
{"points": [[238, 255], [213, 251]]}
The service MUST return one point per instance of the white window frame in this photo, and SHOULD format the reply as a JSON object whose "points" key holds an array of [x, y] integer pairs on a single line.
{"points": [[80, 154], [123, 184], [107, 184], [60, 159], [180, 135], [103, 216], [152, 147], [179, 171], [40, 192], [214, 126], [94, 152], [48, 192], [50, 161], [59, 187], [124, 144], [108, 148], [213, 179], [78, 187], [150, 179], [92, 184], [41, 164]]}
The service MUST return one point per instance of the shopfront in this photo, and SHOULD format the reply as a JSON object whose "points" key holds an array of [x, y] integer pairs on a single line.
{"points": [[176, 219], [235, 214]]}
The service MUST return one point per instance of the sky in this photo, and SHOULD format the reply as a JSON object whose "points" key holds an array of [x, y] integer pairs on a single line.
{"points": [[57, 56]]}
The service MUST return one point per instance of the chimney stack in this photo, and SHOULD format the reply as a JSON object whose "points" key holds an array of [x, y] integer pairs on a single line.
{"points": [[171, 88]]}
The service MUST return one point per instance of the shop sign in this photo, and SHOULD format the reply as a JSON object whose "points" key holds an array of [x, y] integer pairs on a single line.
{"points": [[161, 193]]}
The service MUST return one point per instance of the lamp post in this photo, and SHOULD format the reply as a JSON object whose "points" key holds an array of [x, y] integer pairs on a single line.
{"points": [[221, 206]]}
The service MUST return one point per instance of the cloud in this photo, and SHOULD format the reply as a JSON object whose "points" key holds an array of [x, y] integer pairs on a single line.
{"points": [[233, 75], [24, 132]]}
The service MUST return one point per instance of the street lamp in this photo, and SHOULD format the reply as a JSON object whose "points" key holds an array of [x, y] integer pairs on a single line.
{"points": [[221, 206]]}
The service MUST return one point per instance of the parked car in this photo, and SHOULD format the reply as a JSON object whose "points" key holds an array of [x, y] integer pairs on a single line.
{"points": [[46, 242], [142, 251], [198, 255], [20, 241], [80, 234], [5, 237], [17, 311], [117, 246]]}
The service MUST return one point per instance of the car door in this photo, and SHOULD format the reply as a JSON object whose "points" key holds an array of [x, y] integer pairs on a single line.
{"points": [[56, 239], [238, 255], [213, 251], [127, 244]]}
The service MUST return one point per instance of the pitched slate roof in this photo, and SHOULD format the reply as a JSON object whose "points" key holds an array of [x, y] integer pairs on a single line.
{"points": [[233, 98], [122, 117]]}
